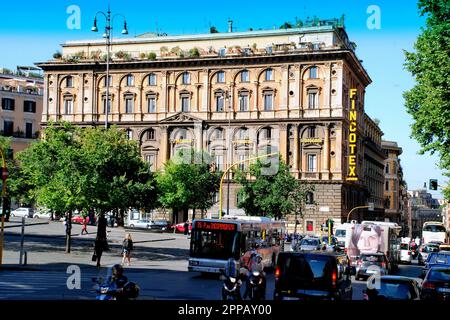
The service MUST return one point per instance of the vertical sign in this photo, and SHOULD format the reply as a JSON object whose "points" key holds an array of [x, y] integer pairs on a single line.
{"points": [[352, 138]]}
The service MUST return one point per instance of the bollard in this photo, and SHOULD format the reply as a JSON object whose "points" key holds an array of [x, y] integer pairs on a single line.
{"points": [[25, 261], [21, 241]]}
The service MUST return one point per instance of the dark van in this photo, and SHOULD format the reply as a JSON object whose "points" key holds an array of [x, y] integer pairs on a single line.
{"points": [[313, 275]]}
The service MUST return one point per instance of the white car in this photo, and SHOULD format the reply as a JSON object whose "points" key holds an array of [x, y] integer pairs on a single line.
{"points": [[405, 253], [22, 212], [141, 224], [42, 214]]}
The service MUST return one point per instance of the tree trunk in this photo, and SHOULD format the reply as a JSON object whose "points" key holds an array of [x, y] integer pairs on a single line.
{"points": [[121, 221], [68, 231], [193, 214]]}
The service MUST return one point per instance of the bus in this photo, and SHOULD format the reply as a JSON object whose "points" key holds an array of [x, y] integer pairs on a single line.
{"points": [[214, 241], [434, 231]]}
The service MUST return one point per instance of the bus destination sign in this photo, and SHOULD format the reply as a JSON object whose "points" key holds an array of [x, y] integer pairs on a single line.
{"points": [[206, 225]]}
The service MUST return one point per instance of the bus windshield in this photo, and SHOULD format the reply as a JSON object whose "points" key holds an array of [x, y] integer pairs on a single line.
{"points": [[214, 244], [434, 228]]}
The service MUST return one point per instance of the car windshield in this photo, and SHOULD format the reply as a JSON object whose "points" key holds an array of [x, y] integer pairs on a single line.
{"points": [[439, 259], [404, 246], [325, 239], [340, 233], [310, 242], [434, 228], [372, 258], [307, 267], [439, 275], [393, 290], [430, 248]]}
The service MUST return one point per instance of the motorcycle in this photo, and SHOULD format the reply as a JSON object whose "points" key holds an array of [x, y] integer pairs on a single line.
{"points": [[110, 290], [256, 286], [231, 289]]}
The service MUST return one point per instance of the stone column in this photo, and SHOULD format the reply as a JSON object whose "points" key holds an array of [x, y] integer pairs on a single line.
{"points": [[164, 146], [164, 90], [284, 87], [326, 154], [283, 142], [198, 129], [340, 151], [206, 90], [296, 149]]}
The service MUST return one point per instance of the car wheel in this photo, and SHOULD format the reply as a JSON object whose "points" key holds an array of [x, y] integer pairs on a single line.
{"points": [[36, 217], [131, 225]]}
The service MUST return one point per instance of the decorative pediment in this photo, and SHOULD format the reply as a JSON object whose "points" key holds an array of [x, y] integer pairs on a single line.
{"points": [[181, 117]]}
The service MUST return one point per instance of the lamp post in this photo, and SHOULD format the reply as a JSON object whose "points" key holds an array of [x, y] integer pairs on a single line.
{"points": [[108, 36], [228, 170], [230, 108], [361, 207]]}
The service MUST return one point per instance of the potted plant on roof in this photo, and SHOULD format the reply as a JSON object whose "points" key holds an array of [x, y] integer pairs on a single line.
{"points": [[57, 55]]}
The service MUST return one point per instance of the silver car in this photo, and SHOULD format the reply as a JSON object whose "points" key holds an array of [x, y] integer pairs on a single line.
{"points": [[22, 212], [310, 244]]}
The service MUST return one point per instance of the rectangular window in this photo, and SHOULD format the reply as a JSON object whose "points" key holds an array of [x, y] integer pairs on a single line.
{"points": [[313, 73], [242, 162], [268, 133], [152, 80], [8, 104], [108, 81], [104, 105], [311, 132], [151, 103], [150, 159], [222, 52], [186, 78], [245, 76], [185, 104], [243, 102], [130, 81], [69, 82], [68, 106], [219, 162], [387, 168], [313, 100], [151, 135], [387, 185], [269, 74], [29, 106], [28, 130], [312, 163], [221, 77], [129, 105], [8, 128], [129, 134], [268, 102], [219, 103]]}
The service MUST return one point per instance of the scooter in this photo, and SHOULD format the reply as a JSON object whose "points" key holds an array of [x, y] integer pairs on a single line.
{"points": [[256, 286], [231, 288], [108, 290]]}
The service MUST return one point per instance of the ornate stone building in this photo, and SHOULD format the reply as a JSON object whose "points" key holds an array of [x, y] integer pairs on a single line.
{"points": [[234, 95]]}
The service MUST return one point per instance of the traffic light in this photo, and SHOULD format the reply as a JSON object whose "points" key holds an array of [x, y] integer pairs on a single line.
{"points": [[433, 184]]}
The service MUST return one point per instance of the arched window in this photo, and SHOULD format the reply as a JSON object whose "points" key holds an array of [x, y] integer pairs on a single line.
{"points": [[69, 82], [269, 75], [220, 77], [186, 78], [245, 76], [266, 133], [152, 79], [313, 74], [130, 80]]}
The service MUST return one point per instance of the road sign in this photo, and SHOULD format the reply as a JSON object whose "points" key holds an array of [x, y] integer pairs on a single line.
{"points": [[371, 206]]}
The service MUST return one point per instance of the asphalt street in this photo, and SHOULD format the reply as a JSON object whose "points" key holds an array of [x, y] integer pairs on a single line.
{"points": [[159, 265]]}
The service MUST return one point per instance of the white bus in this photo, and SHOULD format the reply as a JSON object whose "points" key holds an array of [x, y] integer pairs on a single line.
{"points": [[214, 241], [434, 231]]}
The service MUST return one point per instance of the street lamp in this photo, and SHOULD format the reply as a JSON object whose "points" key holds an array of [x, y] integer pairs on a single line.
{"points": [[108, 36]]}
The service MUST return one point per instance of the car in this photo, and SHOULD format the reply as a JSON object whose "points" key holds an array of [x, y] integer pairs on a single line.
{"points": [[313, 276], [180, 227], [436, 284], [310, 244], [405, 253], [333, 246], [140, 224], [160, 225], [370, 263], [436, 259], [425, 250], [79, 219], [393, 288], [42, 214], [22, 212], [444, 247]]}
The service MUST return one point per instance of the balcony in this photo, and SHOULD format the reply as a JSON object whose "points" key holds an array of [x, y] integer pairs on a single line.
{"points": [[20, 135]]}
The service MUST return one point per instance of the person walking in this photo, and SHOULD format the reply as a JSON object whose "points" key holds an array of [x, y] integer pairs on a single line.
{"points": [[85, 223], [127, 247], [100, 245], [186, 228]]}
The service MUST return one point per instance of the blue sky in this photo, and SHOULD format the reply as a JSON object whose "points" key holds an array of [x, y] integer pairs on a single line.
{"points": [[34, 30]]}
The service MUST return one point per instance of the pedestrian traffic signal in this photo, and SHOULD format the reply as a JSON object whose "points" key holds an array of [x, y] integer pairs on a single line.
{"points": [[433, 184]]}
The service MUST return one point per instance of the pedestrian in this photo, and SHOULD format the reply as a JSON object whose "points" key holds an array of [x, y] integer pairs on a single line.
{"points": [[100, 245], [127, 247], [186, 228], [85, 223]]}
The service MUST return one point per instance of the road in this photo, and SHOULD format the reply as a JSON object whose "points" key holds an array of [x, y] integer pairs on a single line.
{"points": [[159, 266]]}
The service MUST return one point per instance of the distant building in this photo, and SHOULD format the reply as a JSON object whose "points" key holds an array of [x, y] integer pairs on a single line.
{"points": [[21, 107], [423, 208]]}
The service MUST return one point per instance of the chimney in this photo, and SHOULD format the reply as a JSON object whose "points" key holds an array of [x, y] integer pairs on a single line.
{"points": [[230, 26]]}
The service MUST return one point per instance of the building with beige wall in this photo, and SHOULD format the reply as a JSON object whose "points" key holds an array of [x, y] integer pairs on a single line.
{"points": [[21, 108], [235, 95]]}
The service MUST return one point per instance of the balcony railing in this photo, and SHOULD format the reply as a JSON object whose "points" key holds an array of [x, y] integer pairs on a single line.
{"points": [[20, 134]]}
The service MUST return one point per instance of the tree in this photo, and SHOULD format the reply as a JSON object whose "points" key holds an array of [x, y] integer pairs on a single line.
{"points": [[187, 182], [213, 29], [275, 195], [428, 101], [286, 25]]}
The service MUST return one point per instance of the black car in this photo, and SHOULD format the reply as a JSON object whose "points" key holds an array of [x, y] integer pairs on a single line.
{"points": [[393, 288], [313, 275], [436, 285]]}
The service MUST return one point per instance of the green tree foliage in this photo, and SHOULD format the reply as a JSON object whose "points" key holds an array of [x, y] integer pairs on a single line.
{"points": [[286, 25], [188, 182], [429, 100], [272, 195], [82, 169]]}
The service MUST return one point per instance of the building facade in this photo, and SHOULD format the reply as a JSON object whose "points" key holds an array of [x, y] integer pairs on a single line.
{"points": [[423, 207], [20, 115], [299, 92]]}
